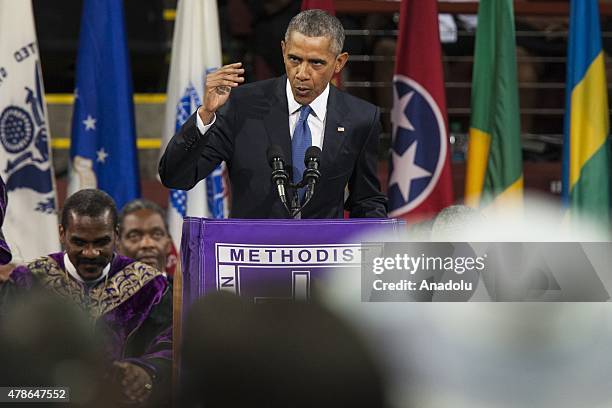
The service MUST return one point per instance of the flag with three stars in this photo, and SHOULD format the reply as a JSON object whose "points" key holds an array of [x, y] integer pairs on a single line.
{"points": [[103, 147], [420, 183]]}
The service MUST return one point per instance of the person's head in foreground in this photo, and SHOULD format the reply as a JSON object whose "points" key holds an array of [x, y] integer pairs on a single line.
{"points": [[48, 341], [239, 354]]}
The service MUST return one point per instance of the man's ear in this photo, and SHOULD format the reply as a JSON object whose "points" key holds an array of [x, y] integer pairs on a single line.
{"points": [[62, 235], [341, 62], [283, 47]]}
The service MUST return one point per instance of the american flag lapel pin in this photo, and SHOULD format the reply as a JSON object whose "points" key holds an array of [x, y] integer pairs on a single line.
{"points": [[340, 128]]}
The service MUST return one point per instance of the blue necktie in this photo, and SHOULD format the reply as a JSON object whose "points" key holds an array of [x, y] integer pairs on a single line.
{"points": [[302, 140]]}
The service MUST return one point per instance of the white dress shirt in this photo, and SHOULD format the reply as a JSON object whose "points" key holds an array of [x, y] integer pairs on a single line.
{"points": [[73, 272], [316, 119]]}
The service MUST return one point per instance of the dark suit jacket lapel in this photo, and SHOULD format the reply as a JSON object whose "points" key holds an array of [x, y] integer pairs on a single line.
{"points": [[333, 140], [277, 119]]}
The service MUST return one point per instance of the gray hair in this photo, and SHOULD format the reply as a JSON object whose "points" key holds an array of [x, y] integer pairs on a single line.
{"points": [[141, 204], [454, 222], [318, 23]]}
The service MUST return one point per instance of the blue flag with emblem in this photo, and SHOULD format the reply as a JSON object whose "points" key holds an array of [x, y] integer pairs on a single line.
{"points": [[103, 148]]}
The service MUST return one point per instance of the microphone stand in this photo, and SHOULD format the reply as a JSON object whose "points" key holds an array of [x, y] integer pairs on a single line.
{"points": [[310, 178], [296, 208], [295, 201]]}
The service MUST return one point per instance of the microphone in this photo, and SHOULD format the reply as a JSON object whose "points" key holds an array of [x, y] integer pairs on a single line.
{"points": [[276, 160], [312, 160]]}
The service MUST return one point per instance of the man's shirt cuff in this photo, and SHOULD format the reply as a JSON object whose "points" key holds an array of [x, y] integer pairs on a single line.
{"points": [[200, 124]]}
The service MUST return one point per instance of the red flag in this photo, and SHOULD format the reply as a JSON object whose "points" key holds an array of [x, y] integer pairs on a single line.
{"points": [[420, 182], [326, 5]]}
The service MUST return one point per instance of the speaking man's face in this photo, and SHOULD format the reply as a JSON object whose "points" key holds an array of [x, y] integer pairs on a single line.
{"points": [[89, 243], [310, 65], [144, 237]]}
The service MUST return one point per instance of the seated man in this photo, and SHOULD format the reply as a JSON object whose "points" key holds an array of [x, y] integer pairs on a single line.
{"points": [[143, 233], [127, 301]]}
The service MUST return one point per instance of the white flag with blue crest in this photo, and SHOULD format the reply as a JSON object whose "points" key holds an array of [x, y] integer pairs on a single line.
{"points": [[30, 226], [196, 50]]}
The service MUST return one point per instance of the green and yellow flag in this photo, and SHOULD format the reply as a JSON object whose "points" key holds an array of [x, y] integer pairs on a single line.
{"points": [[586, 148], [494, 167]]}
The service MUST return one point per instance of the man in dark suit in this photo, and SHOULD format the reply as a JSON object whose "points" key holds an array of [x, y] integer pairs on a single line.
{"points": [[238, 125]]}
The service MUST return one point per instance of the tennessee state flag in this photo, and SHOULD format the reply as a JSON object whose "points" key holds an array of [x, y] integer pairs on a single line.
{"points": [[420, 182]]}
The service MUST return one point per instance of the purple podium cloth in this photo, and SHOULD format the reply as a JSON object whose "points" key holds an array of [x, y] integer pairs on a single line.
{"points": [[270, 259]]}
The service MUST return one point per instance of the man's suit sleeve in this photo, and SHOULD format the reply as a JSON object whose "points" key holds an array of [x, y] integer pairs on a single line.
{"points": [[191, 156], [365, 198]]}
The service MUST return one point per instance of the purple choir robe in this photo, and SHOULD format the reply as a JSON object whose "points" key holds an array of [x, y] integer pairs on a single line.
{"points": [[133, 307]]}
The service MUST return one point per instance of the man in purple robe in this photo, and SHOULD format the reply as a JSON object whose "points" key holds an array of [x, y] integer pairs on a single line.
{"points": [[127, 300]]}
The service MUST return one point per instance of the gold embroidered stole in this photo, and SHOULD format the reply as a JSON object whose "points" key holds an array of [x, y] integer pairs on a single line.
{"points": [[105, 296]]}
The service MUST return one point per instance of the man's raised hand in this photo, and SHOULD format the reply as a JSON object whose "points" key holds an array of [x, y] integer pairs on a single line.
{"points": [[217, 89]]}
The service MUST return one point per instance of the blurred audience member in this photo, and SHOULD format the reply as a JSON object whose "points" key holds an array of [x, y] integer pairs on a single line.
{"points": [[5, 272], [239, 354], [143, 233], [47, 341], [454, 222], [127, 301]]}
